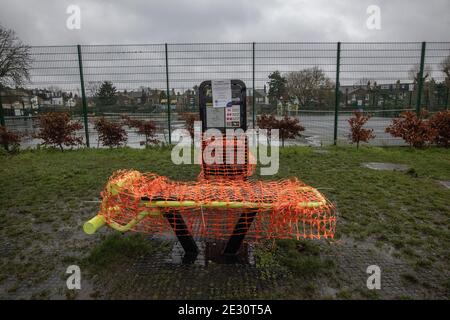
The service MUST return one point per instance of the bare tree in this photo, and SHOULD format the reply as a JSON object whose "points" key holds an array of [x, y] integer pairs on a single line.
{"points": [[92, 87], [308, 86], [363, 83], [15, 59], [414, 72], [445, 68]]}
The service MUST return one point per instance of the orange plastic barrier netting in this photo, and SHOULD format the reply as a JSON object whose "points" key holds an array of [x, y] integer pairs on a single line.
{"points": [[212, 208], [232, 159]]}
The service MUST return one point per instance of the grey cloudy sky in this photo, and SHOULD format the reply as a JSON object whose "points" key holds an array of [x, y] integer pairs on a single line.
{"points": [[112, 22]]}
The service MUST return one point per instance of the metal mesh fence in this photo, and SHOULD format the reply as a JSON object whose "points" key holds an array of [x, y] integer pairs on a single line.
{"points": [[190, 64], [160, 82], [138, 74], [314, 113], [437, 73], [378, 78], [54, 75]]}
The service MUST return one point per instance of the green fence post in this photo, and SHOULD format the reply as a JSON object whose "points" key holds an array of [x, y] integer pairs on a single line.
{"points": [[2, 113], [253, 83], [168, 94], [420, 79], [83, 96], [446, 97], [336, 93]]}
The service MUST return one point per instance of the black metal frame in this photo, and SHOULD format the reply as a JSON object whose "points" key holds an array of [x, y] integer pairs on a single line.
{"points": [[180, 229], [240, 231], [245, 220], [187, 241], [236, 86]]}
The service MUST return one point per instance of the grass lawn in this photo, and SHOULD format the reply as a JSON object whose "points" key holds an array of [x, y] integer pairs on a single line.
{"points": [[398, 220]]}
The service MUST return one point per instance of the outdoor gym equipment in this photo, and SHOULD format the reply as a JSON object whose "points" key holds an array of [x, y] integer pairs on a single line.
{"points": [[223, 203]]}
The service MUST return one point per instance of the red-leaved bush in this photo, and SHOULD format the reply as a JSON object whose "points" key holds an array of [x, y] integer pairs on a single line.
{"points": [[416, 131], [267, 121], [190, 119], [111, 134], [440, 123], [146, 128], [357, 132], [288, 127], [9, 138], [58, 129]]}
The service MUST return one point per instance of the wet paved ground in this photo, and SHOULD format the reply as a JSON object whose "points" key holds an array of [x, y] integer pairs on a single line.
{"points": [[157, 277], [165, 276]]}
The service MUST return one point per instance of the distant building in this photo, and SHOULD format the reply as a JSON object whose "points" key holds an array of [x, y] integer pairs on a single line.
{"points": [[71, 102], [139, 97], [261, 96], [362, 95], [16, 102]]}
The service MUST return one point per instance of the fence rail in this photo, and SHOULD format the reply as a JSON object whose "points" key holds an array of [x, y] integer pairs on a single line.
{"points": [[325, 83]]}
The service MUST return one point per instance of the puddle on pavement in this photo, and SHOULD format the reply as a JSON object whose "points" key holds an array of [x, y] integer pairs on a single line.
{"points": [[446, 184], [385, 166]]}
